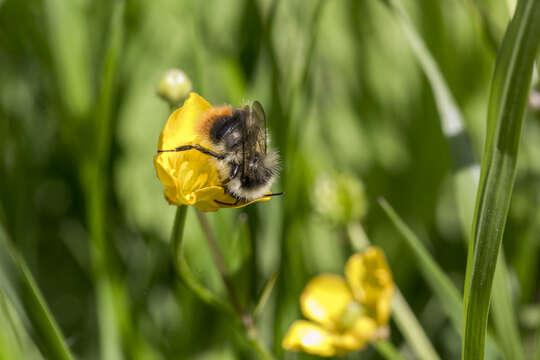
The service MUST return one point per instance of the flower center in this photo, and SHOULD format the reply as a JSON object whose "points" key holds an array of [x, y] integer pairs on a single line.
{"points": [[352, 312]]}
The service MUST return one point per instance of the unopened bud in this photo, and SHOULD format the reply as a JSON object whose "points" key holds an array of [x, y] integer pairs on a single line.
{"points": [[174, 87], [340, 198]]}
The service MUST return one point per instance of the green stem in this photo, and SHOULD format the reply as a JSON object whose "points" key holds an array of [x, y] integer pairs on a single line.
{"points": [[183, 269], [256, 343], [220, 263], [185, 273], [245, 317], [387, 350]]}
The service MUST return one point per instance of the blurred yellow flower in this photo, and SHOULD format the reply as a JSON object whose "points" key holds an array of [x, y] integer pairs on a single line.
{"points": [[345, 314], [190, 177]]}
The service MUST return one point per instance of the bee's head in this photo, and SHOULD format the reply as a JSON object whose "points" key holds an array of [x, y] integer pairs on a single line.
{"points": [[259, 172], [260, 169]]}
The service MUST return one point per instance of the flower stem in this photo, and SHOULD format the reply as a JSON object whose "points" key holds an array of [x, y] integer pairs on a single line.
{"points": [[220, 263], [182, 268], [246, 319], [387, 350], [255, 341]]}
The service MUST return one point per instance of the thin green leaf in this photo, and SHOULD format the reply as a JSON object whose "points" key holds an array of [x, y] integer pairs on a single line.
{"points": [[265, 294], [411, 329], [447, 294], [441, 285], [10, 342], [48, 334], [503, 313], [509, 94]]}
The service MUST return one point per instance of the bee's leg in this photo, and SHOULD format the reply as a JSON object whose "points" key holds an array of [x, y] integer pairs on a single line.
{"points": [[234, 172], [195, 147], [228, 204]]}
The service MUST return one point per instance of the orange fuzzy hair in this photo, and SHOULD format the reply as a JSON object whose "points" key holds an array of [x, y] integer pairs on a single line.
{"points": [[206, 121]]}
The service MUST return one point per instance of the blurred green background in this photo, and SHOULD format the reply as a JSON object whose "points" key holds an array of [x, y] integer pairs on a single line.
{"points": [[345, 98]]}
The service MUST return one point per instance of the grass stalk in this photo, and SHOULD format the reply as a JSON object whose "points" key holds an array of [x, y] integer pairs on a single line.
{"points": [[443, 288]]}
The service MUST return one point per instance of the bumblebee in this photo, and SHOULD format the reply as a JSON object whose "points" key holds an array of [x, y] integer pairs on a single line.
{"points": [[236, 139]]}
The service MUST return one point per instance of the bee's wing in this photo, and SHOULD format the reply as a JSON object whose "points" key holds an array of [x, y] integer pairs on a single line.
{"points": [[253, 132], [259, 119]]}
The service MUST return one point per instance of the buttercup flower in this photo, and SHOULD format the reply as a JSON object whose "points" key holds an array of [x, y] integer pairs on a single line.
{"points": [[345, 314], [190, 177]]}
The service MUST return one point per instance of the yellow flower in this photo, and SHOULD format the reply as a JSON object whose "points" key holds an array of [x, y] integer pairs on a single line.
{"points": [[345, 314], [190, 177]]}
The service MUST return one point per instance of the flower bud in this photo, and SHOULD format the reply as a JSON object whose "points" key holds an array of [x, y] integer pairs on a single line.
{"points": [[341, 198], [174, 87]]}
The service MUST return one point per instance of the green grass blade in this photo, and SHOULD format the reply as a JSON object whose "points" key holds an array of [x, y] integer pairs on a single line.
{"points": [[47, 332], [411, 329], [15, 342], [447, 294], [503, 313], [509, 94], [442, 287], [465, 177]]}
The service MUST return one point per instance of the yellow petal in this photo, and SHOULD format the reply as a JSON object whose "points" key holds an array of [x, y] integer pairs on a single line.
{"points": [[365, 329], [363, 332], [371, 282], [309, 337], [190, 177], [180, 127], [324, 300]]}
